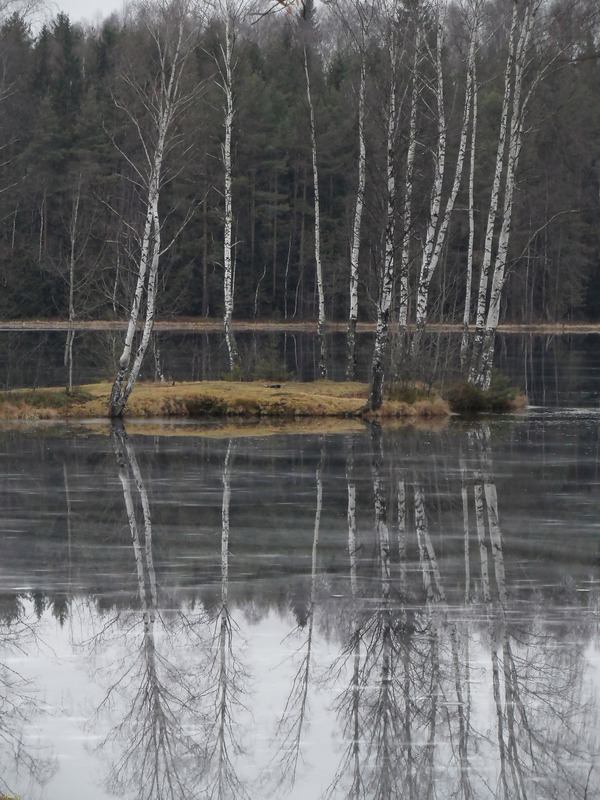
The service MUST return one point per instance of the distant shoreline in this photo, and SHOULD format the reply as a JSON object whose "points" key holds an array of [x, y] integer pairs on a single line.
{"points": [[212, 325]]}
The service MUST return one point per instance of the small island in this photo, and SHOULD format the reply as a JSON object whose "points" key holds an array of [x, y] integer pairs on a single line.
{"points": [[254, 399]]}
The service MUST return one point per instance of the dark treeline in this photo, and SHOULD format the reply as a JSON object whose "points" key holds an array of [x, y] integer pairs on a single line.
{"points": [[70, 200]]}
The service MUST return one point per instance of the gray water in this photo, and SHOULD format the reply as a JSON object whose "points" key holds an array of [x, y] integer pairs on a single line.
{"points": [[377, 613], [554, 371]]}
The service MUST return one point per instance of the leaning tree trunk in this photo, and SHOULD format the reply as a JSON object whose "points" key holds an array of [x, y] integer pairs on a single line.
{"points": [[439, 222], [464, 344], [148, 263], [162, 100], [509, 149]]}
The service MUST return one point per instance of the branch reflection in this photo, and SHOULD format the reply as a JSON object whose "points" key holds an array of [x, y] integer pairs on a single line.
{"points": [[23, 763], [226, 677], [417, 639], [421, 713], [154, 747]]}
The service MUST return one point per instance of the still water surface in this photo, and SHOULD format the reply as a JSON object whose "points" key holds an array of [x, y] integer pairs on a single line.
{"points": [[554, 371], [393, 613]]}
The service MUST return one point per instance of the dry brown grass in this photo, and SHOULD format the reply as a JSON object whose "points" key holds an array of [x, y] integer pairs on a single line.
{"points": [[204, 399]]}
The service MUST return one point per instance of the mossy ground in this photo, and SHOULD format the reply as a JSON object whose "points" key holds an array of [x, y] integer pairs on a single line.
{"points": [[287, 400]]}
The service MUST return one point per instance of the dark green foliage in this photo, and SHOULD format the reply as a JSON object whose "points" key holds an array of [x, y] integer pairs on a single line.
{"points": [[265, 362], [61, 132], [465, 398], [407, 392]]}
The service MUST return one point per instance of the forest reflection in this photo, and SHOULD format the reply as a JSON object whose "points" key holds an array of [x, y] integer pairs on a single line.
{"points": [[386, 660]]}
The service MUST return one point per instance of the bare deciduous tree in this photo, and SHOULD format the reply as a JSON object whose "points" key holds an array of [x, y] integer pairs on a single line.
{"points": [[161, 97]]}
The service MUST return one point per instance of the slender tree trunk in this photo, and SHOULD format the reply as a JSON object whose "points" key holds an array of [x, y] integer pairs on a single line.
{"points": [[148, 264], [386, 276], [507, 157], [356, 228], [319, 266], [408, 190], [163, 100], [439, 222], [484, 371], [73, 229], [226, 69], [464, 344]]}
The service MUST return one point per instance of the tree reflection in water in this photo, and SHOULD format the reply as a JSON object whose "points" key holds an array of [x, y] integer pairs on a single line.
{"points": [[416, 712], [545, 737], [442, 680], [179, 680], [31, 764], [292, 723], [154, 747], [226, 677]]}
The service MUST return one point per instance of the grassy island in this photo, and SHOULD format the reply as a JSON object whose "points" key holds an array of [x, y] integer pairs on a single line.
{"points": [[287, 400]]}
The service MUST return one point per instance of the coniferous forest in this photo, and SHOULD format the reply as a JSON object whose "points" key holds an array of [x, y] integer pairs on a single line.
{"points": [[389, 161]]}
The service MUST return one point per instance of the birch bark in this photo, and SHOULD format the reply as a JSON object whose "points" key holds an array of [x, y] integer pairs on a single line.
{"points": [[507, 157], [317, 209], [356, 228], [408, 188], [164, 100], [464, 345], [519, 104], [439, 219], [386, 277], [226, 69]]}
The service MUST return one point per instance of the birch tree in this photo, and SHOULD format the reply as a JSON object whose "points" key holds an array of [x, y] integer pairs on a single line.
{"points": [[356, 226], [359, 33], [409, 183], [162, 98], [158, 729], [225, 678], [307, 31], [515, 100], [226, 65], [386, 276], [439, 212], [475, 22]]}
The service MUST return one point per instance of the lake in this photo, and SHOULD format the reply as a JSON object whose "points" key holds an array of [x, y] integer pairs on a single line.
{"points": [[552, 370], [373, 613]]}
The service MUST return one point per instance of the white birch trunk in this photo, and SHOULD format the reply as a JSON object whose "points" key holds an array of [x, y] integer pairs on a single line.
{"points": [[494, 203], [317, 209], [408, 189], [439, 221], [386, 277], [356, 228], [515, 140], [226, 68], [507, 157], [163, 101], [464, 345], [426, 270]]}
